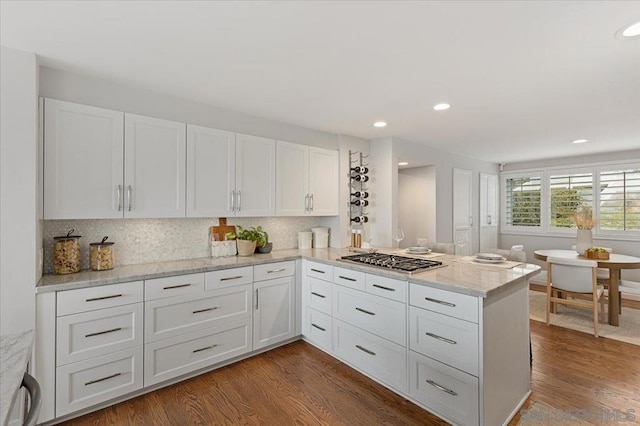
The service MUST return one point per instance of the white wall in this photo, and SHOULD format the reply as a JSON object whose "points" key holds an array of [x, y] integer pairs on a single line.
{"points": [[19, 224], [383, 194], [417, 204]]}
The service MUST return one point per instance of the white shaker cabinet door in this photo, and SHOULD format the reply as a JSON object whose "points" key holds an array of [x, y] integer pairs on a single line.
{"points": [[211, 172], [255, 176], [324, 171], [155, 157], [292, 179], [273, 311], [83, 154]]}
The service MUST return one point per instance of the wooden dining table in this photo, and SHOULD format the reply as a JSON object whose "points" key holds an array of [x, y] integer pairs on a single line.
{"points": [[614, 264]]}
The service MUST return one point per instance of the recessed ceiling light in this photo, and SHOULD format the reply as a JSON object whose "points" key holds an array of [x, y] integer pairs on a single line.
{"points": [[441, 107], [632, 30], [380, 124], [580, 141], [403, 163]]}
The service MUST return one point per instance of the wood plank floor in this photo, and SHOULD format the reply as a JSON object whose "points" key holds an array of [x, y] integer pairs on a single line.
{"points": [[299, 384]]}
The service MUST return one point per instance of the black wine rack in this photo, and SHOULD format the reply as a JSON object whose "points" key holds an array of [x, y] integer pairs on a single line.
{"points": [[358, 188]]}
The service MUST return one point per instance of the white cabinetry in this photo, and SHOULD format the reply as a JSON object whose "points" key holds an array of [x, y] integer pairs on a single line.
{"points": [[274, 309], [317, 297], [306, 180], [488, 211], [255, 176], [462, 211]]}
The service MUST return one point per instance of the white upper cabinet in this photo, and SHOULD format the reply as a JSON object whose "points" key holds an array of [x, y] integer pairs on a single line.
{"points": [[211, 172], [255, 176], [306, 180], [488, 211], [83, 161], [155, 174]]}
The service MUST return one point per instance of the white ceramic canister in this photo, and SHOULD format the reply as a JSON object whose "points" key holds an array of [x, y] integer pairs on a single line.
{"points": [[320, 237], [304, 240]]}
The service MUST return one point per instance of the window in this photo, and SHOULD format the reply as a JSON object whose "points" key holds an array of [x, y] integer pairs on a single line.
{"points": [[568, 192], [619, 207], [522, 201]]}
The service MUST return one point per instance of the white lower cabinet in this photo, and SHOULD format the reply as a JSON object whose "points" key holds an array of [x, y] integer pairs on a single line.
{"points": [[274, 311], [450, 393], [85, 383], [318, 329], [169, 358]]}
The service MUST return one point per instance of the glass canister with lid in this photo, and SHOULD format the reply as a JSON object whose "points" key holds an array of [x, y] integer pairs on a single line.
{"points": [[66, 254], [101, 256]]}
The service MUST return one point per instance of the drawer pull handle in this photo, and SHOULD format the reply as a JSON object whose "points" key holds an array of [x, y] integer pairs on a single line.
{"points": [[444, 339], [103, 379], [103, 332], [384, 288], [317, 270], [318, 327], [93, 299], [428, 299], [366, 350], [231, 278], [204, 349], [442, 388], [205, 310], [347, 278], [318, 294], [276, 270], [171, 287], [365, 311]]}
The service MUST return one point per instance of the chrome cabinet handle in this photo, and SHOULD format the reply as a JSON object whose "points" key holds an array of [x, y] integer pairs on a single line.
{"points": [[205, 310], [119, 190], [204, 349], [233, 201], [239, 200], [319, 295], [311, 202], [231, 278], [384, 288], [103, 379], [366, 350], [488, 219], [318, 271], [365, 311], [428, 299], [347, 278], [442, 388], [103, 332], [171, 287], [276, 270], [318, 327], [470, 220], [93, 299], [444, 339], [129, 196], [257, 296], [306, 203]]}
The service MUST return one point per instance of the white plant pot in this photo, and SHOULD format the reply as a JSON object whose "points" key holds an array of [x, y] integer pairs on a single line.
{"points": [[584, 240], [246, 247]]}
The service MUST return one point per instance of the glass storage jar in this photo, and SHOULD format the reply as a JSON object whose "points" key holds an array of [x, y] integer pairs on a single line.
{"points": [[101, 256], [66, 254]]}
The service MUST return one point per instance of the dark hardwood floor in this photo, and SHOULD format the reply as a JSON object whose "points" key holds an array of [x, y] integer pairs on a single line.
{"points": [[299, 384]]}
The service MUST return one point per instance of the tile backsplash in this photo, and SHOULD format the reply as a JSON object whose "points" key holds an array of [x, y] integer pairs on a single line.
{"points": [[156, 240]]}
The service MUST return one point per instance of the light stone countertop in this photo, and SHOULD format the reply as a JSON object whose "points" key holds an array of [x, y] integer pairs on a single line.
{"points": [[460, 277], [15, 353]]}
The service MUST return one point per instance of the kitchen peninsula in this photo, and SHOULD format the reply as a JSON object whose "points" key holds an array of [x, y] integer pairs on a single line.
{"points": [[454, 340]]}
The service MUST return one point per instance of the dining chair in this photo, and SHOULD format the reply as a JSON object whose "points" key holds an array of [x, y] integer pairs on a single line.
{"points": [[574, 277], [602, 273]]}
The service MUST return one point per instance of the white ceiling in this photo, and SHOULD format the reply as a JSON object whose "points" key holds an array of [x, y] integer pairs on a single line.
{"points": [[524, 78]]}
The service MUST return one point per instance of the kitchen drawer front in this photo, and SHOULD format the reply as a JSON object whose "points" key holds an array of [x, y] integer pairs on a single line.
{"points": [[180, 285], [100, 297], [386, 287], [166, 318], [378, 357], [89, 334], [320, 271], [318, 329], [274, 270], [319, 295], [383, 317], [182, 354], [349, 278], [443, 338], [450, 393], [445, 302], [228, 277], [83, 384]]}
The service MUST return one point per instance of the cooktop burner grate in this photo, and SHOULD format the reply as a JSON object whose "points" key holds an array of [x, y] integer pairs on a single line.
{"points": [[393, 262]]}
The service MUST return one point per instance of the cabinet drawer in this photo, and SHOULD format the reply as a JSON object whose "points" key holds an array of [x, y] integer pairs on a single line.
{"points": [[228, 277], [378, 357], [386, 287], [318, 295], [88, 334], [318, 329], [170, 317], [274, 270], [445, 302], [383, 317], [443, 338], [92, 298], [180, 285], [182, 354], [86, 383], [349, 278], [320, 271], [450, 393]]}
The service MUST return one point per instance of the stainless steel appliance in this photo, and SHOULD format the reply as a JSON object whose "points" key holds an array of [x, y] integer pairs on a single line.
{"points": [[408, 265]]}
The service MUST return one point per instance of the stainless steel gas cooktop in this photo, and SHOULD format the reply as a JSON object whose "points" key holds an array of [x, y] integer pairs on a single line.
{"points": [[408, 265]]}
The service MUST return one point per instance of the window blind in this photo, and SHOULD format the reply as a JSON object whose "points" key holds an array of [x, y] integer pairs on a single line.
{"points": [[620, 200], [568, 192], [522, 206]]}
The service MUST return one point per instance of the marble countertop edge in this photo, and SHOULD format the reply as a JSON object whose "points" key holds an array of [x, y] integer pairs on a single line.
{"points": [[15, 353]]}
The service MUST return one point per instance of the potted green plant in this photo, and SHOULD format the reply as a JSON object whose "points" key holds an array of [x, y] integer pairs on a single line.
{"points": [[262, 244], [246, 240]]}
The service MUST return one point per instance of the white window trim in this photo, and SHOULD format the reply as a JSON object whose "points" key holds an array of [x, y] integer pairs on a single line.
{"points": [[506, 228], [612, 234], [556, 230]]}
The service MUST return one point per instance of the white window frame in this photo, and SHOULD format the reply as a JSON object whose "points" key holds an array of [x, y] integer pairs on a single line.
{"points": [[507, 228], [613, 234], [556, 230]]}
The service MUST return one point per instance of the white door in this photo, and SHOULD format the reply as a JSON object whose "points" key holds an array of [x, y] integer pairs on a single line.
{"points": [[324, 173], [462, 213], [83, 161], [211, 172], [255, 176], [155, 157], [273, 311], [292, 179], [488, 211]]}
